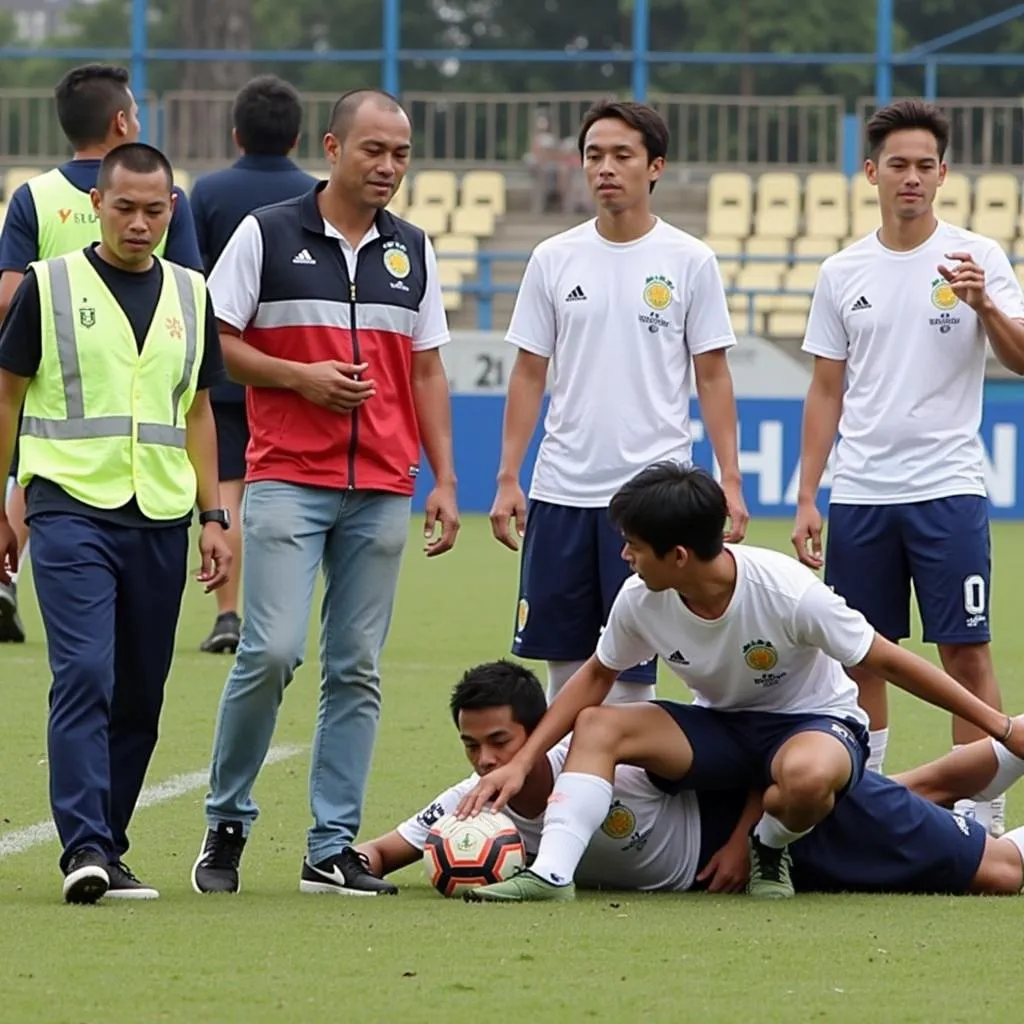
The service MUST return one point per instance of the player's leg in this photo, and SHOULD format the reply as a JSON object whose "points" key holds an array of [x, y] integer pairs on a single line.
{"points": [[638, 682], [866, 565], [1001, 871], [950, 554], [558, 614]]}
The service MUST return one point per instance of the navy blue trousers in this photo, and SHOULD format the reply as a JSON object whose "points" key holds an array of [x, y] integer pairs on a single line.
{"points": [[110, 597]]}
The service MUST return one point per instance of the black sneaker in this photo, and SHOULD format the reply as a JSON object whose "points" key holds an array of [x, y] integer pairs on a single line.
{"points": [[86, 878], [223, 638], [11, 629], [216, 869], [347, 874], [125, 886]]}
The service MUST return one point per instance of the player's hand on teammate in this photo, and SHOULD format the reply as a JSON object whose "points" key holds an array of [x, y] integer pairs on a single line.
{"points": [[495, 788], [335, 385], [509, 504], [739, 517], [806, 536], [8, 552], [729, 869], [441, 510], [966, 279]]}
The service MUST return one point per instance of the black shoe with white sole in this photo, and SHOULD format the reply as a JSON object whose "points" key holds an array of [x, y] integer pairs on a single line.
{"points": [[347, 874], [224, 636], [216, 869], [86, 878], [125, 886], [11, 629]]}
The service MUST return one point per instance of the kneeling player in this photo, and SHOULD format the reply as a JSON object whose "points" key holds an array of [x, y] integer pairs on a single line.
{"points": [[881, 838]]}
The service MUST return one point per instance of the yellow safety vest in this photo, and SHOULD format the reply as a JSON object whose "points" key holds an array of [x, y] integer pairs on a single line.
{"points": [[101, 420], [65, 217]]}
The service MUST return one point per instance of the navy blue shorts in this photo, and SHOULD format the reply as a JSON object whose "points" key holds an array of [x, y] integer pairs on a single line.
{"points": [[874, 552], [733, 750], [883, 838], [232, 439], [572, 569]]}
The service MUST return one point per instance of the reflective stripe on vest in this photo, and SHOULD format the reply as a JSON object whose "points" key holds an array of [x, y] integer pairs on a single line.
{"points": [[77, 426]]}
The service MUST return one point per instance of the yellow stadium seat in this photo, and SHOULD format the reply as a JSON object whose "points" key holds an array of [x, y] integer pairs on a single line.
{"points": [[728, 252], [15, 177], [827, 204], [435, 188], [801, 278], [730, 203], [431, 219], [996, 206], [400, 200], [953, 200], [477, 221], [760, 246], [778, 205], [450, 278], [1018, 248], [3, 212], [865, 215], [786, 324], [484, 188], [458, 251], [766, 276], [743, 323], [815, 246], [183, 180]]}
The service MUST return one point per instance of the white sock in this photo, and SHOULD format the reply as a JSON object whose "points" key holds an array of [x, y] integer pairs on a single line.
{"points": [[577, 806], [878, 740], [1009, 768], [559, 673], [629, 693], [771, 832]]}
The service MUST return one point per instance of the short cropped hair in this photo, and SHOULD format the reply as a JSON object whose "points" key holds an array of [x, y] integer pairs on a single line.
{"points": [[267, 116], [497, 684], [348, 104], [644, 119], [137, 157], [88, 99], [904, 115]]}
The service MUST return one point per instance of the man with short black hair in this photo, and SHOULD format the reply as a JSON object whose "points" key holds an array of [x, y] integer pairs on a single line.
{"points": [[107, 354], [52, 215], [267, 121]]}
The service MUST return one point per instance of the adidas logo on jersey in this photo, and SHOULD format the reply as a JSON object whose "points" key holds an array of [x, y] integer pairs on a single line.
{"points": [[679, 658], [303, 258], [861, 303], [576, 295]]}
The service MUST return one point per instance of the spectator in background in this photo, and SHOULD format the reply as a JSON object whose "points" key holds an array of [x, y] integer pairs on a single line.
{"points": [[267, 119], [545, 163]]}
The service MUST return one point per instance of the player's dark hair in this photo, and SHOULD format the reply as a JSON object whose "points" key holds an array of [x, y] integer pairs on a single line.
{"points": [[137, 157], [498, 684], [669, 505], [905, 115], [644, 119], [88, 99], [267, 116], [348, 105]]}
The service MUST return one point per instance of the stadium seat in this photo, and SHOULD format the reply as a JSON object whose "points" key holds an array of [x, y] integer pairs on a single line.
{"points": [[865, 215], [15, 177], [730, 204], [400, 200], [741, 322], [786, 324], [827, 205], [778, 205], [1018, 248], [477, 221], [458, 251], [183, 180], [996, 206], [801, 278], [766, 276], [431, 219], [435, 188], [450, 278], [953, 200], [817, 247], [760, 246], [484, 188], [728, 252]]}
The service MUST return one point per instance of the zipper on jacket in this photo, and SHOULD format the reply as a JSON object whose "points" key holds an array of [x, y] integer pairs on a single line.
{"points": [[354, 435]]}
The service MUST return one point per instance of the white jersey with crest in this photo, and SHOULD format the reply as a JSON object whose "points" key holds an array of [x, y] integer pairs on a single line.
{"points": [[648, 841], [780, 646]]}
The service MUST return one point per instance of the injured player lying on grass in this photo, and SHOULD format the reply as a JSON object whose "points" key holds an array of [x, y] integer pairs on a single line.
{"points": [[886, 835]]}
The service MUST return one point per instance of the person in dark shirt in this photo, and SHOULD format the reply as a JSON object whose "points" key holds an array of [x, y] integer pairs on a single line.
{"points": [[109, 354], [267, 121], [53, 215]]}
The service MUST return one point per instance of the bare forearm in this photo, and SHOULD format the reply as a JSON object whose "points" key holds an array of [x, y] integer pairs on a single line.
{"points": [[247, 365], [434, 416], [522, 410], [201, 445], [1006, 337], [718, 410], [12, 396], [821, 422]]}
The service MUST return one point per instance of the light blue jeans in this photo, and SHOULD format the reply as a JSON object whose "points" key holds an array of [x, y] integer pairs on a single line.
{"points": [[288, 532]]}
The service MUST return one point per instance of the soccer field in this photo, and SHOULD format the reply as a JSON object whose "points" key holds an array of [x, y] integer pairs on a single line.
{"points": [[271, 954]]}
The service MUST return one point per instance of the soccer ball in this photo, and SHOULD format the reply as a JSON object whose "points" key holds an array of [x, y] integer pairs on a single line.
{"points": [[460, 855]]}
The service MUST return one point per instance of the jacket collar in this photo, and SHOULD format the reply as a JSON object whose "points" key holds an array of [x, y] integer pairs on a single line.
{"points": [[312, 219]]}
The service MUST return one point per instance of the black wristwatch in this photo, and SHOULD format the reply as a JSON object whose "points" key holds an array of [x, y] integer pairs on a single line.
{"points": [[216, 515]]}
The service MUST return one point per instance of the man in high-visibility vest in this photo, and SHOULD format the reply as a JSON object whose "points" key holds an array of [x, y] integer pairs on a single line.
{"points": [[107, 355], [52, 215]]}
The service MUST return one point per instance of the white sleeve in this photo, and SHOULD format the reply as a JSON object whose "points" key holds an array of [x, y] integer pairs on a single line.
{"points": [[234, 282], [708, 324], [1002, 285], [621, 646], [431, 330], [825, 334], [533, 326], [824, 620], [415, 830]]}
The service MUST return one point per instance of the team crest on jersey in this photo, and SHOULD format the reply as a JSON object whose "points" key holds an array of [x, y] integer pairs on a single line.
{"points": [[658, 291], [760, 655], [943, 296], [396, 260], [620, 822], [87, 316], [522, 613]]}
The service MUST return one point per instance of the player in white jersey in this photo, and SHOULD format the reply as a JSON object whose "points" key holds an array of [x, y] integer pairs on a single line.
{"points": [[882, 838], [898, 329], [761, 642], [616, 309]]}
